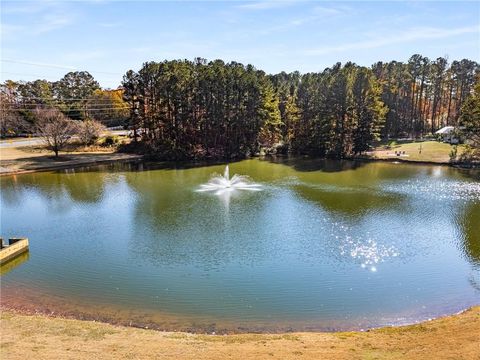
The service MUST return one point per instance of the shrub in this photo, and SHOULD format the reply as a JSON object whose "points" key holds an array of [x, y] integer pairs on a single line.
{"points": [[89, 131], [469, 155], [110, 140], [453, 153]]}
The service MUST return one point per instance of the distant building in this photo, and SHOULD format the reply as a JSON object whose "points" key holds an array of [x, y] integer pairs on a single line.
{"points": [[448, 134]]}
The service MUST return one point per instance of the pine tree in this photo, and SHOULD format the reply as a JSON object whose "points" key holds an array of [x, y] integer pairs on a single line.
{"points": [[470, 117]]}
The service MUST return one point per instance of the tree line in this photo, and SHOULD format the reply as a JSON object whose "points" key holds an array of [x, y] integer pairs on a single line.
{"points": [[424, 95], [77, 95], [202, 109], [199, 109]]}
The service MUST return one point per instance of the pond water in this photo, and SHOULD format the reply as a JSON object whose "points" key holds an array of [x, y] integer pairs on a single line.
{"points": [[325, 245]]}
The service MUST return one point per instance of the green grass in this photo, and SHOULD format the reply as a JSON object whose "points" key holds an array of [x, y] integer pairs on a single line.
{"points": [[431, 151]]}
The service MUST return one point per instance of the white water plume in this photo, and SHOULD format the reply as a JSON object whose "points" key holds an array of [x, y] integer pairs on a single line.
{"points": [[222, 185]]}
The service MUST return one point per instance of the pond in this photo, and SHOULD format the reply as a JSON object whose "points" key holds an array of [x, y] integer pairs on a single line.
{"points": [[325, 245]]}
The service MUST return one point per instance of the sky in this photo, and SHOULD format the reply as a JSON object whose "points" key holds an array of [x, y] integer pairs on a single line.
{"points": [[47, 39]]}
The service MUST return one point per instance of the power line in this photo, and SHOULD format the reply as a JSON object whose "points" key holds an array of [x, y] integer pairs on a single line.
{"points": [[38, 64], [100, 109], [57, 103], [24, 104], [71, 68], [60, 99], [22, 74], [31, 100]]}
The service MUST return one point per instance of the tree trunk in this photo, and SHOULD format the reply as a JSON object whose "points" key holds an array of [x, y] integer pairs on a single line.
{"points": [[449, 103]]}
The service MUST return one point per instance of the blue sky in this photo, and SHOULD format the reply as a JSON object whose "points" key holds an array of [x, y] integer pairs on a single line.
{"points": [[46, 39]]}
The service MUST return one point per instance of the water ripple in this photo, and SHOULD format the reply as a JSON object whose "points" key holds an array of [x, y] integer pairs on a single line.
{"points": [[368, 251], [436, 189]]}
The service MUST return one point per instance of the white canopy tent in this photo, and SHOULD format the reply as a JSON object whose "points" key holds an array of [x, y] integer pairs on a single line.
{"points": [[447, 134], [445, 130]]}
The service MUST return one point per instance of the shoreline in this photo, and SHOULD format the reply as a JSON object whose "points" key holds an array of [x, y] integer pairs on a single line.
{"points": [[106, 158], [101, 159], [167, 322], [31, 158], [456, 165], [455, 336]]}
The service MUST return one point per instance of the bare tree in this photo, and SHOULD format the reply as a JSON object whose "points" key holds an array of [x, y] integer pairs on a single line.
{"points": [[89, 131], [54, 128]]}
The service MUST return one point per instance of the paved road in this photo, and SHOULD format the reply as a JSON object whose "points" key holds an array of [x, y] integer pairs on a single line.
{"points": [[19, 143], [37, 141]]}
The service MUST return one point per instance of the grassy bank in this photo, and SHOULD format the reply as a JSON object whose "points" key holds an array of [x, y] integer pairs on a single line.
{"points": [[426, 151], [41, 337]]}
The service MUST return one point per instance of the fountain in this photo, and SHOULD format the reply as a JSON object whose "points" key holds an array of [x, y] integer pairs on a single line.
{"points": [[221, 185]]}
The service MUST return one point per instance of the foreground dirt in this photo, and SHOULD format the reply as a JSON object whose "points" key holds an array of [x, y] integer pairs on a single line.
{"points": [[15, 160], [42, 337]]}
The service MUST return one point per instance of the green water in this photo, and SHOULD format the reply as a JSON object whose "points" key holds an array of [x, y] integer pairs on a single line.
{"points": [[325, 245]]}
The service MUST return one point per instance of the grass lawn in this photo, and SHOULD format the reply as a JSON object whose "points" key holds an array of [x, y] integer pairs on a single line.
{"points": [[431, 151], [36, 157]]}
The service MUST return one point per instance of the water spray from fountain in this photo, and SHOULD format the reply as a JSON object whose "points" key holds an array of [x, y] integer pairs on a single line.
{"points": [[224, 184]]}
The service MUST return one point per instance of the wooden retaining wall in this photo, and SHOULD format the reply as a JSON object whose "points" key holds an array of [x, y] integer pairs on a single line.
{"points": [[16, 247]]}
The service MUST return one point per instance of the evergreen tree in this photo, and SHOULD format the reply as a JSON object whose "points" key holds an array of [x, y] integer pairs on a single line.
{"points": [[470, 116], [369, 110]]}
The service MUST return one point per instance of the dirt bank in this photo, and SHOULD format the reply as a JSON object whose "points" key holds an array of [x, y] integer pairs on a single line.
{"points": [[42, 337], [24, 159]]}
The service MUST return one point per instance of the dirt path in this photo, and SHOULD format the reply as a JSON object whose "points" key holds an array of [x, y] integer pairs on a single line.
{"points": [[41, 337]]}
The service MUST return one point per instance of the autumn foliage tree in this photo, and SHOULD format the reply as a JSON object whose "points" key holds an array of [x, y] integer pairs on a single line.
{"points": [[108, 107]]}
